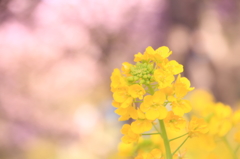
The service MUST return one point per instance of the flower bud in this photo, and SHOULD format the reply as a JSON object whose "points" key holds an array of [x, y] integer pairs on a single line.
{"points": [[145, 76], [147, 82], [135, 78], [142, 81], [131, 78]]}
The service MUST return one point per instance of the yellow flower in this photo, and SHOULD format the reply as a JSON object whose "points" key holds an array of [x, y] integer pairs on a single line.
{"points": [[174, 67], [182, 87], [129, 135], [180, 155], [150, 52], [126, 113], [141, 124], [163, 51], [159, 54], [127, 103], [213, 156], [237, 136], [180, 107], [158, 140], [168, 91], [122, 96], [153, 106], [126, 68], [139, 156], [163, 78], [116, 104], [222, 111], [155, 72], [136, 91], [141, 57], [204, 142], [174, 122], [124, 117], [197, 127], [174, 94], [236, 117], [140, 114], [155, 154], [202, 103], [219, 127], [117, 80], [125, 149], [220, 122]]}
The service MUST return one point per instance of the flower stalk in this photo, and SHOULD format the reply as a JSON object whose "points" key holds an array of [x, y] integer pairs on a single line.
{"points": [[165, 140], [178, 137], [180, 146]]}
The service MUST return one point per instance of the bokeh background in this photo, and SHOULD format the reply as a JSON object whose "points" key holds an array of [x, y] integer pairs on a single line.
{"points": [[56, 58]]}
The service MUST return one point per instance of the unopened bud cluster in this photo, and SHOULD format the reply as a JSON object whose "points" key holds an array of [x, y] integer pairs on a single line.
{"points": [[141, 73]]}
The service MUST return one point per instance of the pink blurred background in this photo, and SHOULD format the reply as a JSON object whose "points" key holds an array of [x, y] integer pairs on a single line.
{"points": [[56, 58]]}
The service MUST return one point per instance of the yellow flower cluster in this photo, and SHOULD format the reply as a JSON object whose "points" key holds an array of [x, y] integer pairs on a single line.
{"points": [[151, 93], [223, 138], [154, 154]]}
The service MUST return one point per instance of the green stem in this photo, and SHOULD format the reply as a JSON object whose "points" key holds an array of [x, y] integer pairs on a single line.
{"points": [[165, 140], [177, 137], [180, 146], [151, 134], [229, 148]]}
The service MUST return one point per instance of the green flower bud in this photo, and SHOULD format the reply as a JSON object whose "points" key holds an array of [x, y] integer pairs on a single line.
{"points": [[152, 79], [135, 78], [142, 81], [150, 67], [145, 76], [131, 78], [152, 71], [138, 64], [147, 82], [132, 69]]}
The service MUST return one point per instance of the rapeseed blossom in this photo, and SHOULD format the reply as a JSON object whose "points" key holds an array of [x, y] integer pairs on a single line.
{"points": [[197, 127], [174, 122], [151, 95], [129, 135], [154, 154], [153, 106]]}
